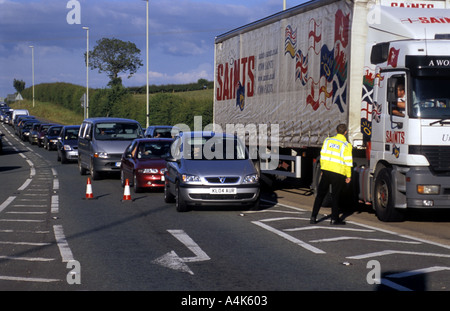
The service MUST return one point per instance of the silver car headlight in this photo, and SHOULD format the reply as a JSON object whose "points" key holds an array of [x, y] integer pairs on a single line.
{"points": [[251, 179], [102, 155], [67, 147], [190, 178]]}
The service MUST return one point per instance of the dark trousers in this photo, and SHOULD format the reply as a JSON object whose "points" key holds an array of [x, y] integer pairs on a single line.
{"points": [[337, 182]]}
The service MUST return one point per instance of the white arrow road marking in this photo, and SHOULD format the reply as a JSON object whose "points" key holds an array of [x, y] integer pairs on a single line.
{"points": [[173, 261]]}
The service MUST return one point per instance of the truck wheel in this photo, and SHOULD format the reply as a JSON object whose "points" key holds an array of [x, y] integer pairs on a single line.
{"points": [[383, 198], [179, 202]]}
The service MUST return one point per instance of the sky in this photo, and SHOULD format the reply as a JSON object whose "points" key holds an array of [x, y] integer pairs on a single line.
{"points": [[181, 37]]}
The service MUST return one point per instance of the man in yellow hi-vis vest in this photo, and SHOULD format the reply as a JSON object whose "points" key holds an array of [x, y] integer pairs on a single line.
{"points": [[336, 164]]}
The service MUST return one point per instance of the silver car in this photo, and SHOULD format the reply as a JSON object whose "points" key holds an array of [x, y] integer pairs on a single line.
{"points": [[207, 168]]}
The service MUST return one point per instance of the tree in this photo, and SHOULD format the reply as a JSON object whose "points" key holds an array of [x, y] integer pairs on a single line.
{"points": [[115, 56], [19, 85]]}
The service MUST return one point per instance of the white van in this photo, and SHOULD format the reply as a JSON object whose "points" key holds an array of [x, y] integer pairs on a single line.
{"points": [[101, 143], [18, 112]]}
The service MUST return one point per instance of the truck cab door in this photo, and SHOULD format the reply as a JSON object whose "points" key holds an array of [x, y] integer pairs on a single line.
{"points": [[389, 137]]}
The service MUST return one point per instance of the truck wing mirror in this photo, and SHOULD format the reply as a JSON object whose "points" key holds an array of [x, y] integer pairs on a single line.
{"points": [[392, 91]]}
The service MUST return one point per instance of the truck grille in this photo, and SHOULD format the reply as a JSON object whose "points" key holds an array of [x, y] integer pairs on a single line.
{"points": [[437, 156]]}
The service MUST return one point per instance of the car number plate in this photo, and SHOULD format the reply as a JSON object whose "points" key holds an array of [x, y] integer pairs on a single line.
{"points": [[222, 190]]}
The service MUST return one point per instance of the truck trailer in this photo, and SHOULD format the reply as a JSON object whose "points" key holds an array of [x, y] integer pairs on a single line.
{"points": [[309, 68]]}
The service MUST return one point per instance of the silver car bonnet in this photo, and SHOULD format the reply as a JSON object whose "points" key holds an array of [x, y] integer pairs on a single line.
{"points": [[111, 146], [204, 168]]}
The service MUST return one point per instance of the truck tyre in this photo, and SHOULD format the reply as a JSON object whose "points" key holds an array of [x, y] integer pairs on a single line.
{"points": [[384, 199]]}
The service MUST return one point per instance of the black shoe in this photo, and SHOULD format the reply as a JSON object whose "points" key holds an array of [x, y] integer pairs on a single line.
{"points": [[337, 222], [313, 221]]}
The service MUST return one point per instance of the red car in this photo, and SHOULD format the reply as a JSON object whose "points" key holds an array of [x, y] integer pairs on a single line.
{"points": [[143, 163]]}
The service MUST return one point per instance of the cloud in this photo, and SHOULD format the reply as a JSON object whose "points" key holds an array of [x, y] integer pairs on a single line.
{"points": [[181, 32]]}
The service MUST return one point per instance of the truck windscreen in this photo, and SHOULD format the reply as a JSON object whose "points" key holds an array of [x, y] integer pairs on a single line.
{"points": [[431, 97]]}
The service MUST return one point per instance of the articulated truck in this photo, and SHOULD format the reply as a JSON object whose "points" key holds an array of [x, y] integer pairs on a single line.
{"points": [[307, 69]]}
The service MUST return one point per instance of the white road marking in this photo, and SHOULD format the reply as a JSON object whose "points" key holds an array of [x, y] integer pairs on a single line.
{"points": [[24, 243], [390, 252], [26, 258], [64, 249], [6, 203], [24, 279], [328, 228], [55, 204], [344, 238], [417, 271], [290, 238], [173, 261], [25, 184]]}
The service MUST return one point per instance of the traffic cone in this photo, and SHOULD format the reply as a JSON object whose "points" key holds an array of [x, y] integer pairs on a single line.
{"points": [[126, 191], [89, 194]]}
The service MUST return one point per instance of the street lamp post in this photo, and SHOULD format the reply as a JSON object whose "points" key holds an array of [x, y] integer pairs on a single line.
{"points": [[148, 108], [87, 73], [32, 69]]}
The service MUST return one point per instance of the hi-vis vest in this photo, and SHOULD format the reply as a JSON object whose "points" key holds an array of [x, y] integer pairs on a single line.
{"points": [[336, 155]]}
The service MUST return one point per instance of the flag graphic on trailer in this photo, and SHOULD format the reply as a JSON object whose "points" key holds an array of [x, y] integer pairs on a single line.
{"points": [[331, 87]]}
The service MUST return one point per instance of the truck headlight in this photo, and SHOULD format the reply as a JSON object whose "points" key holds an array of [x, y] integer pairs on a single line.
{"points": [[428, 189]]}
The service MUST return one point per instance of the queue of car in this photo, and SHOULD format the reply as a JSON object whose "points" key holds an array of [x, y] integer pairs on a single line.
{"points": [[192, 168]]}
